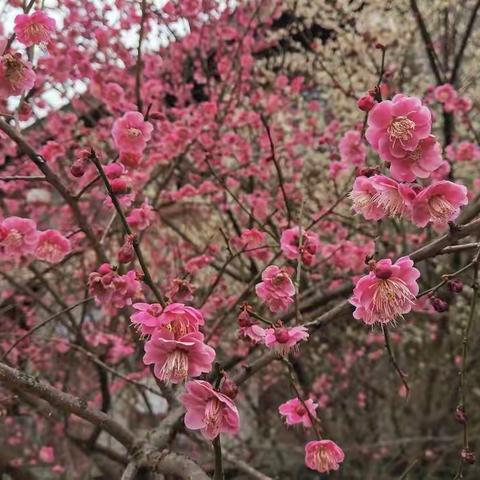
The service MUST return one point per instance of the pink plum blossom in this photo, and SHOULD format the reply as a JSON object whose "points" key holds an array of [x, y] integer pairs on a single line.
{"points": [[393, 197], [276, 289], [379, 196], [16, 75], [141, 217], [463, 152], [364, 195], [439, 203], [175, 360], [323, 455], [18, 236], [421, 162], [47, 454], [147, 317], [446, 95], [250, 328], [209, 411], [131, 132], [181, 319], [34, 29], [396, 126], [295, 412], [387, 292], [290, 245], [352, 149], [52, 246], [113, 291], [283, 339]]}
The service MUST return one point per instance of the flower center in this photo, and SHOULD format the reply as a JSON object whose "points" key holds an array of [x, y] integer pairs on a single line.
{"points": [[279, 279], [154, 310], [175, 367], [14, 239], [133, 132], [362, 199], [48, 250], [300, 410], [213, 411], [390, 298], [323, 461], [180, 326], [440, 208], [416, 154], [14, 69], [401, 129], [35, 30], [391, 201]]}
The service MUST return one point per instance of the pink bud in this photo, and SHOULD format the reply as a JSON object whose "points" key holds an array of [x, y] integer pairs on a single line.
{"points": [[104, 268], [131, 160], [460, 415], [281, 334], [468, 455], [439, 304], [368, 171], [366, 103], [455, 285], [126, 254], [229, 388], [119, 186], [383, 273], [113, 170], [78, 168], [244, 319]]}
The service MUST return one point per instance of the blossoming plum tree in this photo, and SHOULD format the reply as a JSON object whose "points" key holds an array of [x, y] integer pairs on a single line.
{"points": [[239, 239]]}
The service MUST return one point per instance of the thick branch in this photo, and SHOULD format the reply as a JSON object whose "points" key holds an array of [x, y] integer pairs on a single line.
{"points": [[16, 379]]}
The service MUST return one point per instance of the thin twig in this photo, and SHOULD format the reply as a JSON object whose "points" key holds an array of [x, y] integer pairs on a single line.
{"points": [[141, 260], [281, 180], [388, 346], [42, 324], [217, 448]]}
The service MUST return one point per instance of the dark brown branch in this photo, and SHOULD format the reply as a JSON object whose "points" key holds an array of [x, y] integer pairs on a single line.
{"points": [[427, 40], [16, 379], [461, 52]]}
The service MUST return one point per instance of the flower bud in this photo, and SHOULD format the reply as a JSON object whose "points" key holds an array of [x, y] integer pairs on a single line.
{"points": [[439, 304], [130, 160], [383, 273], [119, 186], [281, 334], [367, 171], [229, 388], [460, 415], [366, 103], [113, 170], [104, 268], [156, 116], [455, 285], [468, 456], [126, 254], [78, 168], [244, 320]]}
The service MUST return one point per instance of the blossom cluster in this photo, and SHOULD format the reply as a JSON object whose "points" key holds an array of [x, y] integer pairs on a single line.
{"points": [[19, 238]]}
